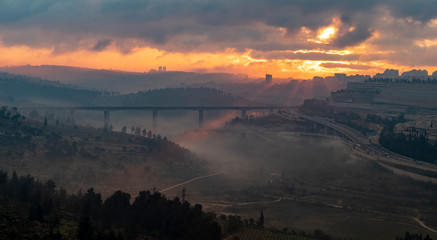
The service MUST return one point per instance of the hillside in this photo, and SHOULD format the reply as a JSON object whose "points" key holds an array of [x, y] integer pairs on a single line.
{"points": [[180, 97], [411, 94], [78, 158], [304, 180], [29, 91], [125, 82], [280, 91], [22, 89]]}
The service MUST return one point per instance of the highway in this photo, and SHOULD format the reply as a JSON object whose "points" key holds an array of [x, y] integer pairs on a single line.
{"points": [[362, 144]]}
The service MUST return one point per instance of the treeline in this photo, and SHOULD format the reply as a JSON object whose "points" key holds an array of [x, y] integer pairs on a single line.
{"points": [[12, 132], [431, 80], [36, 210], [29, 89], [414, 144], [234, 225], [34, 88], [409, 236], [178, 97], [10, 114]]}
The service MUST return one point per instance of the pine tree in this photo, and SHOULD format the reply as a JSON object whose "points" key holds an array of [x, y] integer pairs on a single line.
{"points": [[261, 219]]}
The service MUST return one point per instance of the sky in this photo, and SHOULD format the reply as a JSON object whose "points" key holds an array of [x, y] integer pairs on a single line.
{"points": [[286, 38]]}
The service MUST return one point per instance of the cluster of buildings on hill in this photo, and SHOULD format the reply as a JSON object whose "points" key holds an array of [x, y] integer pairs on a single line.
{"points": [[409, 75], [160, 69], [363, 89], [389, 74], [358, 92]]}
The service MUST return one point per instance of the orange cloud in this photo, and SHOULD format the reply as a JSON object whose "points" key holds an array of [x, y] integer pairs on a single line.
{"points": [[144, 59]]}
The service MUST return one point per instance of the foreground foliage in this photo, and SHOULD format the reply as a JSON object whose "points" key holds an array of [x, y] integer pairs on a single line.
{"points": [[30, 209]]}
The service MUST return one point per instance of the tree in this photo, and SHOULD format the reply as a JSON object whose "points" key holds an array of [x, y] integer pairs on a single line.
{"points": [[261, 219], [85, 230], [116, 204], [51, 186], [91, 202], [3, 177]]}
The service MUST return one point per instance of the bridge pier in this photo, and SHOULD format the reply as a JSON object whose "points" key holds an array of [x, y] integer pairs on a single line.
{"points": [[200, 118], [326, 130], [155, 121], [243, 114], [106, 120], [72, 116]]}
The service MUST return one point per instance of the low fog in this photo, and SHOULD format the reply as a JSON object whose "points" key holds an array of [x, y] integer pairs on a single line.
{"points": [[171, 123], [247, 156]]}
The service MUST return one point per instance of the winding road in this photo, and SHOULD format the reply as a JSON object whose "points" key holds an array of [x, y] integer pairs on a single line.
{"points": [[362, 143], [190, 181]]}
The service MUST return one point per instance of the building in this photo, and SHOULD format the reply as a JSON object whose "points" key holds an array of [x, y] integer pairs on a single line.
{"points": [[358, 92], [388, 74], [415, 75], [340, 76], [164, 69], [269, 78]]}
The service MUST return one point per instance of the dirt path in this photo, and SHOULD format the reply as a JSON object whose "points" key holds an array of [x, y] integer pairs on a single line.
{"points": [[417, 219], [252, 203], [423, 225], [189, 181]]}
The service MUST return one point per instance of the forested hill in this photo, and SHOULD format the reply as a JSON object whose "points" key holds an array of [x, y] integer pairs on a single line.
{"points": [[30, 209], [83, 157], [125, 82], [35, 89], [20, 90], [180, 97]]}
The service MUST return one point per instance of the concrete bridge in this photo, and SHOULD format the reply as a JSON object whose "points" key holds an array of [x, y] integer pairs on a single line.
{"points": [[155, 109]]}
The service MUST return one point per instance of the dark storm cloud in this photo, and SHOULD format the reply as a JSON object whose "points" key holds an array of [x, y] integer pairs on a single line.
{"points": [[198, 25], [353, 38], [14, 11], [101, 45], [420, 10]]}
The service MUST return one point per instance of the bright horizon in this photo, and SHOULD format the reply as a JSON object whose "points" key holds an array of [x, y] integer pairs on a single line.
{"points": [[287, 40]]}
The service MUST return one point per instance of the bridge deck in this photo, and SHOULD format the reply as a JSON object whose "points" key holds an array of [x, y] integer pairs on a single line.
{"points": [[156, 108]]}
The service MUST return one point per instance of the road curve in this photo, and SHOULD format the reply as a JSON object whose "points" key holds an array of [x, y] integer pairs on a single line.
{"points": [[361, 142], [191, 180]]}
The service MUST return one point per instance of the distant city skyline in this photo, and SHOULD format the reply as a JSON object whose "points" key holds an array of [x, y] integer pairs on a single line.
{"points": [[298, 39]]}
